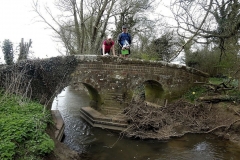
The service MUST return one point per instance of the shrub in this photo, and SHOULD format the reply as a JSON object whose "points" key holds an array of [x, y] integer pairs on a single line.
{"points": [[22, 129], [7, 50]]}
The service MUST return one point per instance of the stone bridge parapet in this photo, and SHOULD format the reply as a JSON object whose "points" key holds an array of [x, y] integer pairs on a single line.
{"points": [[113, 81]]}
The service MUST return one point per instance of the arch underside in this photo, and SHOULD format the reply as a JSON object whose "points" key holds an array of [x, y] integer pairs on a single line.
{"points": [[95, 99], [150, 91], [153, 92]]}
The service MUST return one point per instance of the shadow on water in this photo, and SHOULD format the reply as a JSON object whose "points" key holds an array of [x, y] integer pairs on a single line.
{"points": [[102, 144]]}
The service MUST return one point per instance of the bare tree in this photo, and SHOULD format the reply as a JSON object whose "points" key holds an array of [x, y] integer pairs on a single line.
{"points": [[142, 27], [165, 47], [221, 26], [81, 25]]}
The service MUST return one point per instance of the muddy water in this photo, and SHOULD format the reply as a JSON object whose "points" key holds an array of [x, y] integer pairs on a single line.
{"points": [[105, 145]]}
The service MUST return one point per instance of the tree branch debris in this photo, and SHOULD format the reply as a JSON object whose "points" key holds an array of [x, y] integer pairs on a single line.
{"points": [[174, 120]]}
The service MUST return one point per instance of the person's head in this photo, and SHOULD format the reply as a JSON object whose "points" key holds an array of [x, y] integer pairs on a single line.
{"points": [[124, 28], [109, 38]]}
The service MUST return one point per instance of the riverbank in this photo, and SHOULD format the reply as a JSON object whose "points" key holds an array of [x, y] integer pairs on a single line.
{"points": [[61, 151], [22, 128], [56, 132]]}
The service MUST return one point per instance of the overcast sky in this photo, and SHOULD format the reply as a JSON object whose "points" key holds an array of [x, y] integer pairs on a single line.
{"points": [[17, 21]]}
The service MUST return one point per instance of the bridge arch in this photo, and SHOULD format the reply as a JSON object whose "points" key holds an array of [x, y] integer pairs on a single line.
{"points": [[154, 91], [148, 90], [95, 98]]}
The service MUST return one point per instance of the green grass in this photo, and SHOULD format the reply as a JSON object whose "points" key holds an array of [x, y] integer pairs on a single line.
{"points": [[147, 57], [199, 91], [194, 93], [22, 129]]}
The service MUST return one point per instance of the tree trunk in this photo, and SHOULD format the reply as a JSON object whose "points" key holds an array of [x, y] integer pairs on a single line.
{"points": [[76, 26], [82, 27], [96, 25]]}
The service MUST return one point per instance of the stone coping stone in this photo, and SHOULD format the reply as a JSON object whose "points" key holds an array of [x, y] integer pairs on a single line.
{"points": [[94, 114]]}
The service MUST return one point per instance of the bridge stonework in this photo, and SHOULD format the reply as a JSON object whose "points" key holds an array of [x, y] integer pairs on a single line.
{"points": [[112, 82]]}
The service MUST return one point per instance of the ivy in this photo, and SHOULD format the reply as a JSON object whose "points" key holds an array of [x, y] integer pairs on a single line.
{"points": [[44, 77]]}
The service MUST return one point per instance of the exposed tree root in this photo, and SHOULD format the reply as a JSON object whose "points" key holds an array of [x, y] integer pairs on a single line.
{"points": [[222, 126]]}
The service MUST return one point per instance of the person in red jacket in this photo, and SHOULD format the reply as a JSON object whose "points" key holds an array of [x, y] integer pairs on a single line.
{"points": [[107, 46]]}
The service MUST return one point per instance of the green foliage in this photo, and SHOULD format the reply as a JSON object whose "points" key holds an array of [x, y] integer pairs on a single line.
{"points": [[214, 80], [228, 80], [22, 129], [207, 60], [39, 78], [234, 93], [7, 149], [148, 57], [203, 59], [7, 50], [166, 46], [194, 93]]}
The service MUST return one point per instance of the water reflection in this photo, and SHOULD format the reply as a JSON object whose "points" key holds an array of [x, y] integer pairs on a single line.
{"points": [[106, 145]]}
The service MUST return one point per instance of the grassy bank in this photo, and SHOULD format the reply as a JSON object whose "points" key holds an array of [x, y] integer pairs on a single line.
{"points": [[22, 129]]}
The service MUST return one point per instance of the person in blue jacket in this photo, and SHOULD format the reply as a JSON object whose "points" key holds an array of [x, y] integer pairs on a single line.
{"points": [[124, 41]]}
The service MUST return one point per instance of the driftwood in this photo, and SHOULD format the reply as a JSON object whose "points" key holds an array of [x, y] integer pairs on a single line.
{"points": [[216, 88], [216, 92], [215, 99]]}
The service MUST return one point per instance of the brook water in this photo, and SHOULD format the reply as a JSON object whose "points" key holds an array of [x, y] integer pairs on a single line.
{"points": [[102, 144]]}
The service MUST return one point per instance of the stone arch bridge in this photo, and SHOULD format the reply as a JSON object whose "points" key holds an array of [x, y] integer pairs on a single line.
{"points": [[110, 81]]}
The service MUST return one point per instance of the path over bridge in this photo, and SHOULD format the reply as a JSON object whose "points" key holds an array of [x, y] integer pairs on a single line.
{"points": [[110, 81]]}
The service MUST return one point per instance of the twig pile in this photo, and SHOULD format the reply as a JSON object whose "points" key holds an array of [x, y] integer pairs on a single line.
{"points": [[174, 120]]}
